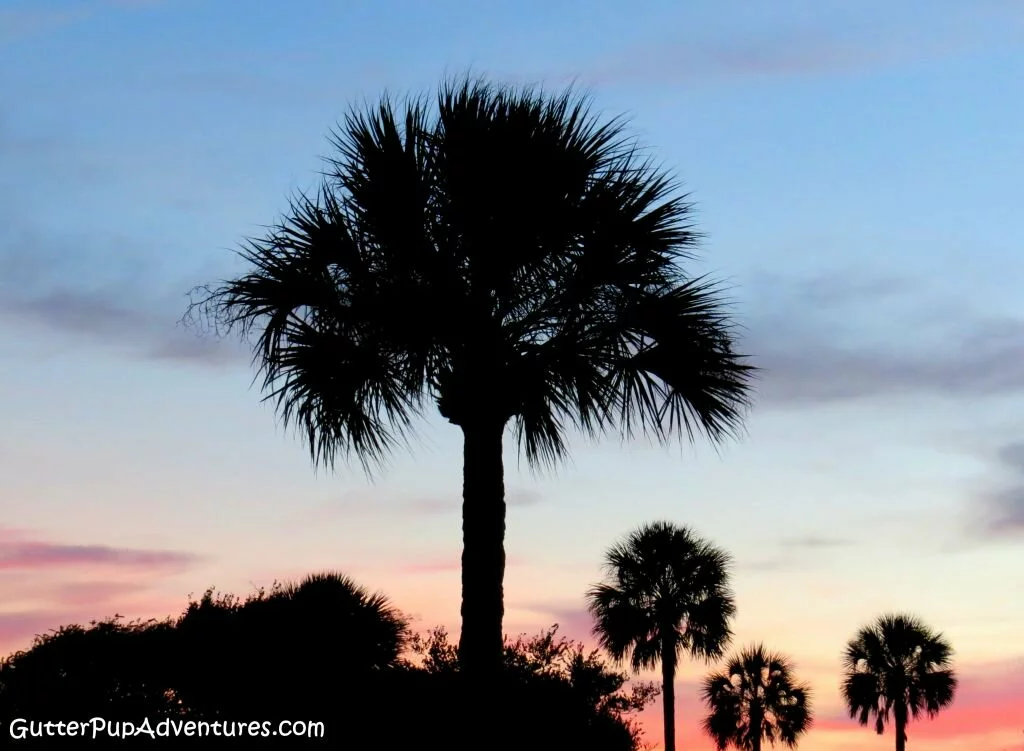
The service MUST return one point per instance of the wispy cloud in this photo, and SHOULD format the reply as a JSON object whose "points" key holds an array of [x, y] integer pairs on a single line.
{"points": [[17, 22], [806, 345], [815, 542], [765, 565], [796, 553], [514, 497], [794, 45], [444, 565], [982, 358], [45, 584], [999, 513], [574, 621], [363, 502], [126, 306], [18, 551], [26, 19], [440, 566], [17, 629]]}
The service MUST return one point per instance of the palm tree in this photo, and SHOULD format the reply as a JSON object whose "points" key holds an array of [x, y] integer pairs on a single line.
{"points": [[667, 594], [509, 258], [756, 698], [896, 669]]}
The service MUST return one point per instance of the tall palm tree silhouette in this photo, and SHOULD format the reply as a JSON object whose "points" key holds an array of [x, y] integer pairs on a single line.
{"points": [[509, 258], [667, 594], [756, 698], [896, 669]]}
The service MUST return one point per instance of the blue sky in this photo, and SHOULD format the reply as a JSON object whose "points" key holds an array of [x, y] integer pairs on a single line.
{"points": [[856, 167]]}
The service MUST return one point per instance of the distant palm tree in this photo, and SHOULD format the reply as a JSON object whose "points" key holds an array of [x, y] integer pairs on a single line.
{"points": [[667, 595], [896, 669], [756, 698], [508, 258]]}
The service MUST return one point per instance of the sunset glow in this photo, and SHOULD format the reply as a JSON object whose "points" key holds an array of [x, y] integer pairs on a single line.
{"points": [[856, 168]]}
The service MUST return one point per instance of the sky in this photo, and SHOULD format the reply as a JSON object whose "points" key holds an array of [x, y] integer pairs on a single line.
{"points": [[857, 170]]}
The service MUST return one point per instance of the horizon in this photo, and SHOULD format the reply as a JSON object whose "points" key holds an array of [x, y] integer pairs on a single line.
{"points": [[852, 168]]}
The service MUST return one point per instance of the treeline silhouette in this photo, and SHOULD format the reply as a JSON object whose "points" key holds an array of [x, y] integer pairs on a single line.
{"points": [[323, 650], [326, 650]]}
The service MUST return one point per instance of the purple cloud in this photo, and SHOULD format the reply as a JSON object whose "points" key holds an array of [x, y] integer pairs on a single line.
{"points": [[985, 358], [135, 311], [17, 553], [1001, 512], [800, 334]]}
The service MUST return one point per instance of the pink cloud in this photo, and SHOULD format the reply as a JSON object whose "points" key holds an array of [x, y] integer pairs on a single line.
{"points": [[19, 628], [92, 593], [574, 623], [82, 603], [18, 552], [45, 584]]}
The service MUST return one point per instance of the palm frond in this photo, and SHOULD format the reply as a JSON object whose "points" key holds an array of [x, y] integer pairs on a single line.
{"points": [[503, 251], [665, 589]]}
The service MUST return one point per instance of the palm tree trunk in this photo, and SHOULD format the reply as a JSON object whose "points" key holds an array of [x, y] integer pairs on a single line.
{"points": [[901, 731], [668, 694], [756, 725], [483, 549]]}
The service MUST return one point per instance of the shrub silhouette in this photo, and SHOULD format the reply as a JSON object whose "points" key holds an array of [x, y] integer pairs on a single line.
{"points": [[290, 650], [552, 693], [110, 667]]}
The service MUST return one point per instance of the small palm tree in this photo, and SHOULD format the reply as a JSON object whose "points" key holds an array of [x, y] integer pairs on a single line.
{"points": [[507, 258], [896, 669], [756, 699], [667, 595]]}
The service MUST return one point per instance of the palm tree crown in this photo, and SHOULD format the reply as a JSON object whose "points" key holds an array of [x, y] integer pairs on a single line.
{"points": [[897, 669], [756, 698], [507, 257], [667, 595]]}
